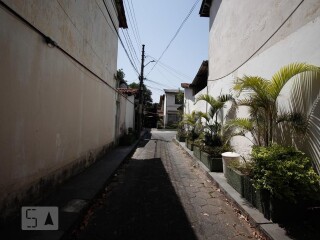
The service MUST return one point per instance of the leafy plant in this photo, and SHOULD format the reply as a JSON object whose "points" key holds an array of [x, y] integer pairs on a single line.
{"points": [[285, 172], [243, 167], [217, 150], [192, 124], [262, 101], [213, 136], [181, 130]]}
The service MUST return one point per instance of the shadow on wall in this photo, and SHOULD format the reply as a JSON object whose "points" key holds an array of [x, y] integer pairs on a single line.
{"points": [[305, 97]]}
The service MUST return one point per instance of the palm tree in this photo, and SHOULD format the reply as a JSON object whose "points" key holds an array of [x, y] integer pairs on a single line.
{"points": [[264, 114], [212, 124], [192, 122]]}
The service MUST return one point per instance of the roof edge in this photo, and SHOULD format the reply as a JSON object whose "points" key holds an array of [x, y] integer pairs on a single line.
{"points": [[205, 8], [121, 14]]}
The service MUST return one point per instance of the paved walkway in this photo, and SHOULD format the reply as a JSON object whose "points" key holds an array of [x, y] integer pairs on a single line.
{"points": [[159, 194]]}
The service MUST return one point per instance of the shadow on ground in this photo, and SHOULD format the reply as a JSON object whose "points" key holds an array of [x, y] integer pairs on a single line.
{"points": [[145, 140], [304, 227], [142, 204]]}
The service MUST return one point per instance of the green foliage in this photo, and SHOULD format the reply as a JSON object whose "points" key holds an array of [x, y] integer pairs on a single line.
{"points": [[120, 75], [213, 136], [243, 167], [180, 97], [146, 92], [181, 130], [217, 150], [172, 126], [263, 101], [285, 172], [192, 125]]}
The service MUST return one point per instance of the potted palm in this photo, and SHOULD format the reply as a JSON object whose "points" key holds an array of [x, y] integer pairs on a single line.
{"points": [[214, 142], [277, 172], [181, 133], [192, 126]]}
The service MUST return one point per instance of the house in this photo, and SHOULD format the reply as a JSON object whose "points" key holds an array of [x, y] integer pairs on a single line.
{"points": [[191, 89], [251, 38], [171, 104], [60, 109]]}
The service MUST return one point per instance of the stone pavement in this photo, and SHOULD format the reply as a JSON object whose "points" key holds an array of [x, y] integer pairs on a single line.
{"points": [[266, 227], [160, 194]]}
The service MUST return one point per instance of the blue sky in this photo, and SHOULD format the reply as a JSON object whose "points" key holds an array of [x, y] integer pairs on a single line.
{"points": [[154, 23]]}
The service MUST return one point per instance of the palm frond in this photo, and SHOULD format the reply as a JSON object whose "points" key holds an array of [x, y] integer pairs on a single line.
{"points": [[225, 98], [240, 123], [245, 102], [209, 99], [280, 78], [297, 121], [253, 83], [203, 115]]}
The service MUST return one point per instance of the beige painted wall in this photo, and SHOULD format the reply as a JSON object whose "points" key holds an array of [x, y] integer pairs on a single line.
{"points": [[54, 113]]}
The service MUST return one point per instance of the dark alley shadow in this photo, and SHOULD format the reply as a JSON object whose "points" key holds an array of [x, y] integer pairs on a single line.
{"points": [[143, 142], [142, 205]]}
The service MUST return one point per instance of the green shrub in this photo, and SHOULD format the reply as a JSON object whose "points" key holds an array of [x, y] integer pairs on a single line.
{"points": [[217, 151], [172, 126], [285, 172], [243, 167]]}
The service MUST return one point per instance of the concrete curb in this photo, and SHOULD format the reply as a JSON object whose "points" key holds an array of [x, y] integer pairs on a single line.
{"points": [[271, 230]]}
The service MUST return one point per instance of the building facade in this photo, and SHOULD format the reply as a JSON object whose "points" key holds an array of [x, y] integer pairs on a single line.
{"points": [[60, 109], [257, 38], [171, 105]]}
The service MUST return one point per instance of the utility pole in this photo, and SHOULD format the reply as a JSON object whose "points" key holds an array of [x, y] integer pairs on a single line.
{"points": [[141, 91]]}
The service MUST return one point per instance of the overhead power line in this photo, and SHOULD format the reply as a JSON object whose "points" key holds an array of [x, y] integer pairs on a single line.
{"points": [[159, 89], [261, 45], [136, 23], [160, 84], [114, 26], [172, 71], [175, 35], [131, 19]]}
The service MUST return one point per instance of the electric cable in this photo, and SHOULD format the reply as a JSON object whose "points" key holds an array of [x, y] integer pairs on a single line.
{"points": [[160, 84], [133, 23], [254, 53], [175, 35], [136, 22], [134, 67], [85, 39], [52, 43]]}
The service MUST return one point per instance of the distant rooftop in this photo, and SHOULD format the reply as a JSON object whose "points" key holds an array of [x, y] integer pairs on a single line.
{"points": [[185, 85], [171, 90], [128, 91]]}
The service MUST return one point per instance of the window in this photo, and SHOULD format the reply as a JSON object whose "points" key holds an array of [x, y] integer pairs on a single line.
{"points": [[173, 118], [178, 99]]}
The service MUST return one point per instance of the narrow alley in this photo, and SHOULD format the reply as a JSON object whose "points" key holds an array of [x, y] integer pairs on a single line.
{"points": [[159, 194]]}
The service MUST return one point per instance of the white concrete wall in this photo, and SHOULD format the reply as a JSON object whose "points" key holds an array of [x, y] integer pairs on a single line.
{"points": [[130, 112], [165, 114], [188, 100], [55, 115], [238, 29]]}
